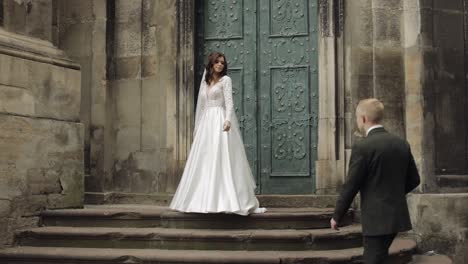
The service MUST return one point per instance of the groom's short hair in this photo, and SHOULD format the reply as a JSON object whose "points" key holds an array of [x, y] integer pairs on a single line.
{"points": [[372, 108]]}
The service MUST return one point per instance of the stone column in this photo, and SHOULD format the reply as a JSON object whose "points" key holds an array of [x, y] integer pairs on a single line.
{"points": [[330, 162], [153, 93], [418, 50], [374, 63], [185, 77], [388, 65], [126, 94], [82, 35]]}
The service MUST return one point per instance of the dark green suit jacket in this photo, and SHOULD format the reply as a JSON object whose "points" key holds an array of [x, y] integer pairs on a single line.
{"points": [[383, 170]]}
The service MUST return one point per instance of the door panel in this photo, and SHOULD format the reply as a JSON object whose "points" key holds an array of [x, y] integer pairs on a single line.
{"points": [[288, 95]]}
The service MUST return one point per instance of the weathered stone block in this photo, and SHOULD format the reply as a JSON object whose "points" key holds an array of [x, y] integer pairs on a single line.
{"points": [[42, 181], [40, 157], [5, 207], [440, 221], [387, 26], [154, 128], [100, 8], [389, 62], [15, 18], [76, 38], [128, 39], [30, 82], [39, 20], [332, 176], [364, 88], [149, 40], [57, 91], [127, 117], [391, 89], [361, 27], [33, 18], [16, 100], [128, 10], [29, 204], [13, 71], [77, 11], [149, 67], [128, 67], [362, 59], [388, 4], [99, 32]]}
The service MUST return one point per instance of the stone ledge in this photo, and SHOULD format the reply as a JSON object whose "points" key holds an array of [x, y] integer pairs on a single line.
{"points": [[24, 47]]}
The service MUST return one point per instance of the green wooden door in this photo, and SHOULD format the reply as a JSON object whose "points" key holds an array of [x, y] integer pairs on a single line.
{"points": [[271, 48]]}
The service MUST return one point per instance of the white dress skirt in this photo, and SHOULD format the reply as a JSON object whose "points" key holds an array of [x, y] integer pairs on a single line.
{"points": [[217, 177]]}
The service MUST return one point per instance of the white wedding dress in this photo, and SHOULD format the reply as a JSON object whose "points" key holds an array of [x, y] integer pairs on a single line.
{"points": [[217, 177]]}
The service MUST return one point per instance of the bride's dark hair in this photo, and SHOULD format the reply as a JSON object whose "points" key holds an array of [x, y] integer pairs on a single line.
{"points": [[212, 58]]}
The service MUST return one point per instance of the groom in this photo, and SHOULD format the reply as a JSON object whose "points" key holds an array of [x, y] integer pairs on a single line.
{"points": [[383, 170]]}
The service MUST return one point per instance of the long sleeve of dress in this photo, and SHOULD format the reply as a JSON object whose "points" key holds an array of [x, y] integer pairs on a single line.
{"points": [[227, 91], [201, 104]]}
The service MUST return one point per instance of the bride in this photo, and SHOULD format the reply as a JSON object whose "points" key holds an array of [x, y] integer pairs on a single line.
{"points": [[217, 177]]}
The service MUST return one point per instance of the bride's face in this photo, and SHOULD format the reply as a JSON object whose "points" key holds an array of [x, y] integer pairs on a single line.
{"points": [[218, 66]]}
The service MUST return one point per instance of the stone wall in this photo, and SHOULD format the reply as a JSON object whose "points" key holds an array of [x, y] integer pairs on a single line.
{"points": [[41, 139]]}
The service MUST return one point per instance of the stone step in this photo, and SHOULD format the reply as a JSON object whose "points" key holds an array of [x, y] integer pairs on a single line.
{"points": [[436, 259], [194, 239], [318, 201], [157, 216], [400, 251]]}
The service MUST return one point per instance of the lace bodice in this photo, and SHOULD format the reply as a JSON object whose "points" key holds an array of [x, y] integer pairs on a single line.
{"points": [[218, 95]]}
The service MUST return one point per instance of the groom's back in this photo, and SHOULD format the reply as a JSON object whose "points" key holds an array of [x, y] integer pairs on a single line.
{"points": [[383, 201], [389, 157]]}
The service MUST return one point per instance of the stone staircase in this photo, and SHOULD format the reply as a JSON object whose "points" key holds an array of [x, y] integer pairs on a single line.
{"points": [[154, 234]]}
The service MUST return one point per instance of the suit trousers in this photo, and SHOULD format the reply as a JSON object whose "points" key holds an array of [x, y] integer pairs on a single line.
{"points": [[376, 248]]}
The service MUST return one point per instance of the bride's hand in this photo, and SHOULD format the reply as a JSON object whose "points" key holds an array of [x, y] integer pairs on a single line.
{"points": [[226, 126]]}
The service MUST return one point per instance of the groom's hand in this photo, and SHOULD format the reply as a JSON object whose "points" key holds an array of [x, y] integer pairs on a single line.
{"points": [[334, 225], [226, 126]]}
